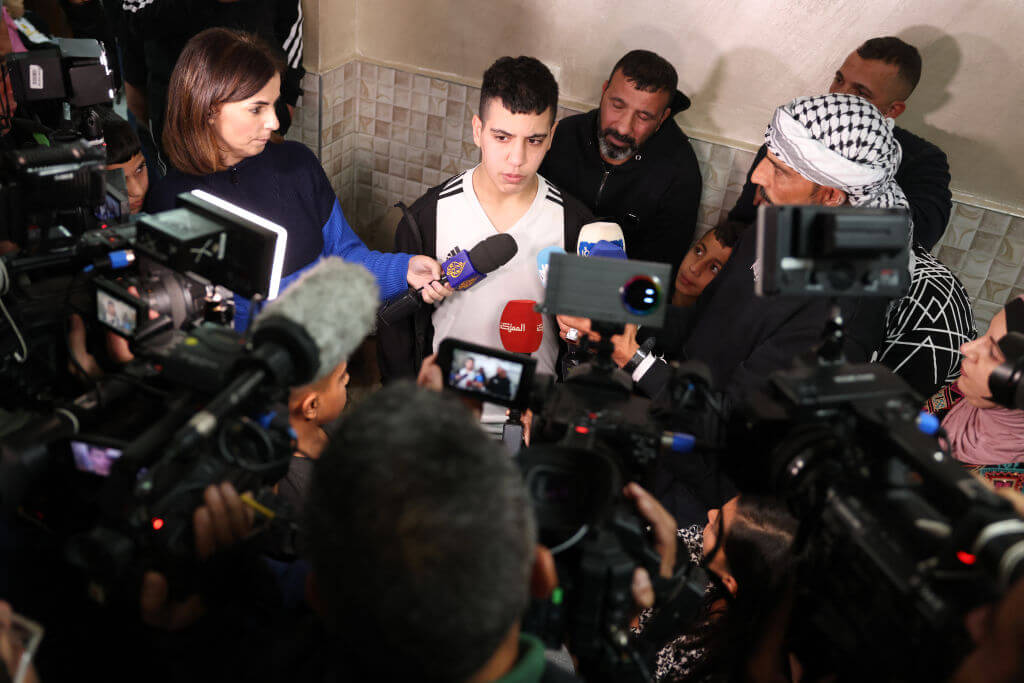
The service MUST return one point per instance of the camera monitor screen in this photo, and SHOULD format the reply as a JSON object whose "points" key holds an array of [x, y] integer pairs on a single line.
{"points": [[119, 310], [488, 374], [116, 313], [92, 458]]}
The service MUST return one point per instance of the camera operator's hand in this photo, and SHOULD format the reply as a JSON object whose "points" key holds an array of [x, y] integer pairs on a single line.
{"points": [[581, 325], [117, 346], [664, 528], [430, 374], [425, 272], [431, 377], [625, 345], [11, 649], [77, 348], [220, 522]]}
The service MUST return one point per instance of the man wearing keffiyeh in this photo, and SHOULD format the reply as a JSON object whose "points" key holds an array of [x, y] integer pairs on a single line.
{"points": [[838, 149], [831, 150]]}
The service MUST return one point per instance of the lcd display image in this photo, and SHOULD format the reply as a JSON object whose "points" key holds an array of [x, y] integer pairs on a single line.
{"points": [[482, 374], [92, 458], [115, 313]]}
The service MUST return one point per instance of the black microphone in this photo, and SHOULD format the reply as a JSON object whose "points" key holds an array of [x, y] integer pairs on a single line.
{"points": [[461, 271]]}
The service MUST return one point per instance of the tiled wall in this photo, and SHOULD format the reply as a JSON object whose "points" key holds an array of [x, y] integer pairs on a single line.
{"points": [[385, 135]]}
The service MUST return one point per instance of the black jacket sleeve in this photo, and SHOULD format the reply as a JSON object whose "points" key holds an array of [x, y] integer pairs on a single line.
{"points": [[404, 344], [288, 29], [744, 211], [923, 176]]}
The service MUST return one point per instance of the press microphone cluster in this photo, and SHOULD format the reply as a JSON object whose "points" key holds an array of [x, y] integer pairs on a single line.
{"points": [[460, 272]]}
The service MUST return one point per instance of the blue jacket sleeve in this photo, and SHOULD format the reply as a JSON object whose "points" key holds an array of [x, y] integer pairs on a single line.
{"points": [[389, 269], [340, 240]]}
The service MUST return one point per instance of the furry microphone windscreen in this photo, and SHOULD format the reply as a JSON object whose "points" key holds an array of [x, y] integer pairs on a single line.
{"points": [[335, 302]]}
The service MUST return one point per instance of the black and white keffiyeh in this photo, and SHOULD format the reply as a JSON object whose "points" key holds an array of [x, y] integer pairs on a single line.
{"points": [[840, 141]]}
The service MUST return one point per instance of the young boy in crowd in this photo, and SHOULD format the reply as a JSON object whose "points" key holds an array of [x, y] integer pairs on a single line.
{"points": [[503, 194], [704, 261], [124, 151]]}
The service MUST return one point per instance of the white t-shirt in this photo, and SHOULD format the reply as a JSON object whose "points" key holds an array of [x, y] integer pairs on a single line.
{"points": [[473, 315]]}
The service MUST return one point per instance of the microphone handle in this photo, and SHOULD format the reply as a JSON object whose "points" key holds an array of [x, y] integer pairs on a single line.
{"points": [[404, 306]]}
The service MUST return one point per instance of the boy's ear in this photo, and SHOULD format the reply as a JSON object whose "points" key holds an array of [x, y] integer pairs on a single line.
{"points": [[310, 405], [544, 577], [478, 129]]}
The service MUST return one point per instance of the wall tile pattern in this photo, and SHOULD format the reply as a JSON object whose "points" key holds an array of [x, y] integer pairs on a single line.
{"points": [[385, 135]]}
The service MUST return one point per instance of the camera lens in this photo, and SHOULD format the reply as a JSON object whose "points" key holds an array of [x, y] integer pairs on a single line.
{"points": [[641, 295]]}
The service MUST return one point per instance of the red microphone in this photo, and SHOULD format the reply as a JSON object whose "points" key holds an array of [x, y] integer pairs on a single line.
{"points": [[521, 327]]}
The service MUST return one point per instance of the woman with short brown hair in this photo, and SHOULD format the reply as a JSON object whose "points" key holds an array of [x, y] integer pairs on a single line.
{"points": [[220, 117]]}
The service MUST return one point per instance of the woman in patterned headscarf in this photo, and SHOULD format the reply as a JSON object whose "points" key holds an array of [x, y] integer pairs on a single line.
{"points": [[984, 436]]}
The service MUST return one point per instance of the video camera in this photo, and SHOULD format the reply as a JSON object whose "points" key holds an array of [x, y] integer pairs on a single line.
{"points": [[117, 471], [67, 86], [896, 540]]}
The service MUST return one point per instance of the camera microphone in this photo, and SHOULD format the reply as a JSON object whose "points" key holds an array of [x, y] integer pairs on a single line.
{"points": [[299, 338], [461, 271]]}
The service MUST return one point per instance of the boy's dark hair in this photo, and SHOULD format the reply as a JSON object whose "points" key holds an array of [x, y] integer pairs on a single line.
{"points": [[728, 232], [524, 85], [648, 71], [421, 538], [892, 50], [122, 142]]}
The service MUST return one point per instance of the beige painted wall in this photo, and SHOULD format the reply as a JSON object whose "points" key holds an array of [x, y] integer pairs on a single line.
{"points": [[328, 34], [737, 59]]}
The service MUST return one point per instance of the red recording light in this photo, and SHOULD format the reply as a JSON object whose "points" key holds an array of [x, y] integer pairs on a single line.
{"points": [[582, 430], [158, 524], [966, 557]]}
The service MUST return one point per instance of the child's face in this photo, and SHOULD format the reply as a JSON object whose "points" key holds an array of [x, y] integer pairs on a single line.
{"points": [[136, 180], [333, 394], [701, 264]]}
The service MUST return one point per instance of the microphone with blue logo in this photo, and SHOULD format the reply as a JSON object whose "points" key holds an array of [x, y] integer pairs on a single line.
{"points": [[460, 272], [592, 234]]}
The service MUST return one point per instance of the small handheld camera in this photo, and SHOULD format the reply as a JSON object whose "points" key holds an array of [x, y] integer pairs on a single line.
{"points": [[487, 374]]}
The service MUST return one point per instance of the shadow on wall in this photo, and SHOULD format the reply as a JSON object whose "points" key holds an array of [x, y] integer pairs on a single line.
{"points": [[985, 164], [732, 97]]}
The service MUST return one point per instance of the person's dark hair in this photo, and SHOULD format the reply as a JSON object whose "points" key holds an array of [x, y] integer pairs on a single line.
{"points": [[903, 56], [758, 548], [121, 141], [217, 65], [648, 71], [421, 538], [523, 84], [728, 232]]}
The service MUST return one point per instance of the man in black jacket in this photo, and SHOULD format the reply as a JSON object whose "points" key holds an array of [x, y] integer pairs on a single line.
{"points": [[885, 71], [630, 162]]}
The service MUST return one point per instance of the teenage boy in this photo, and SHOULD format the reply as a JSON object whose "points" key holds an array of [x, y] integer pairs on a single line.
{"points": [[503, 194]]}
